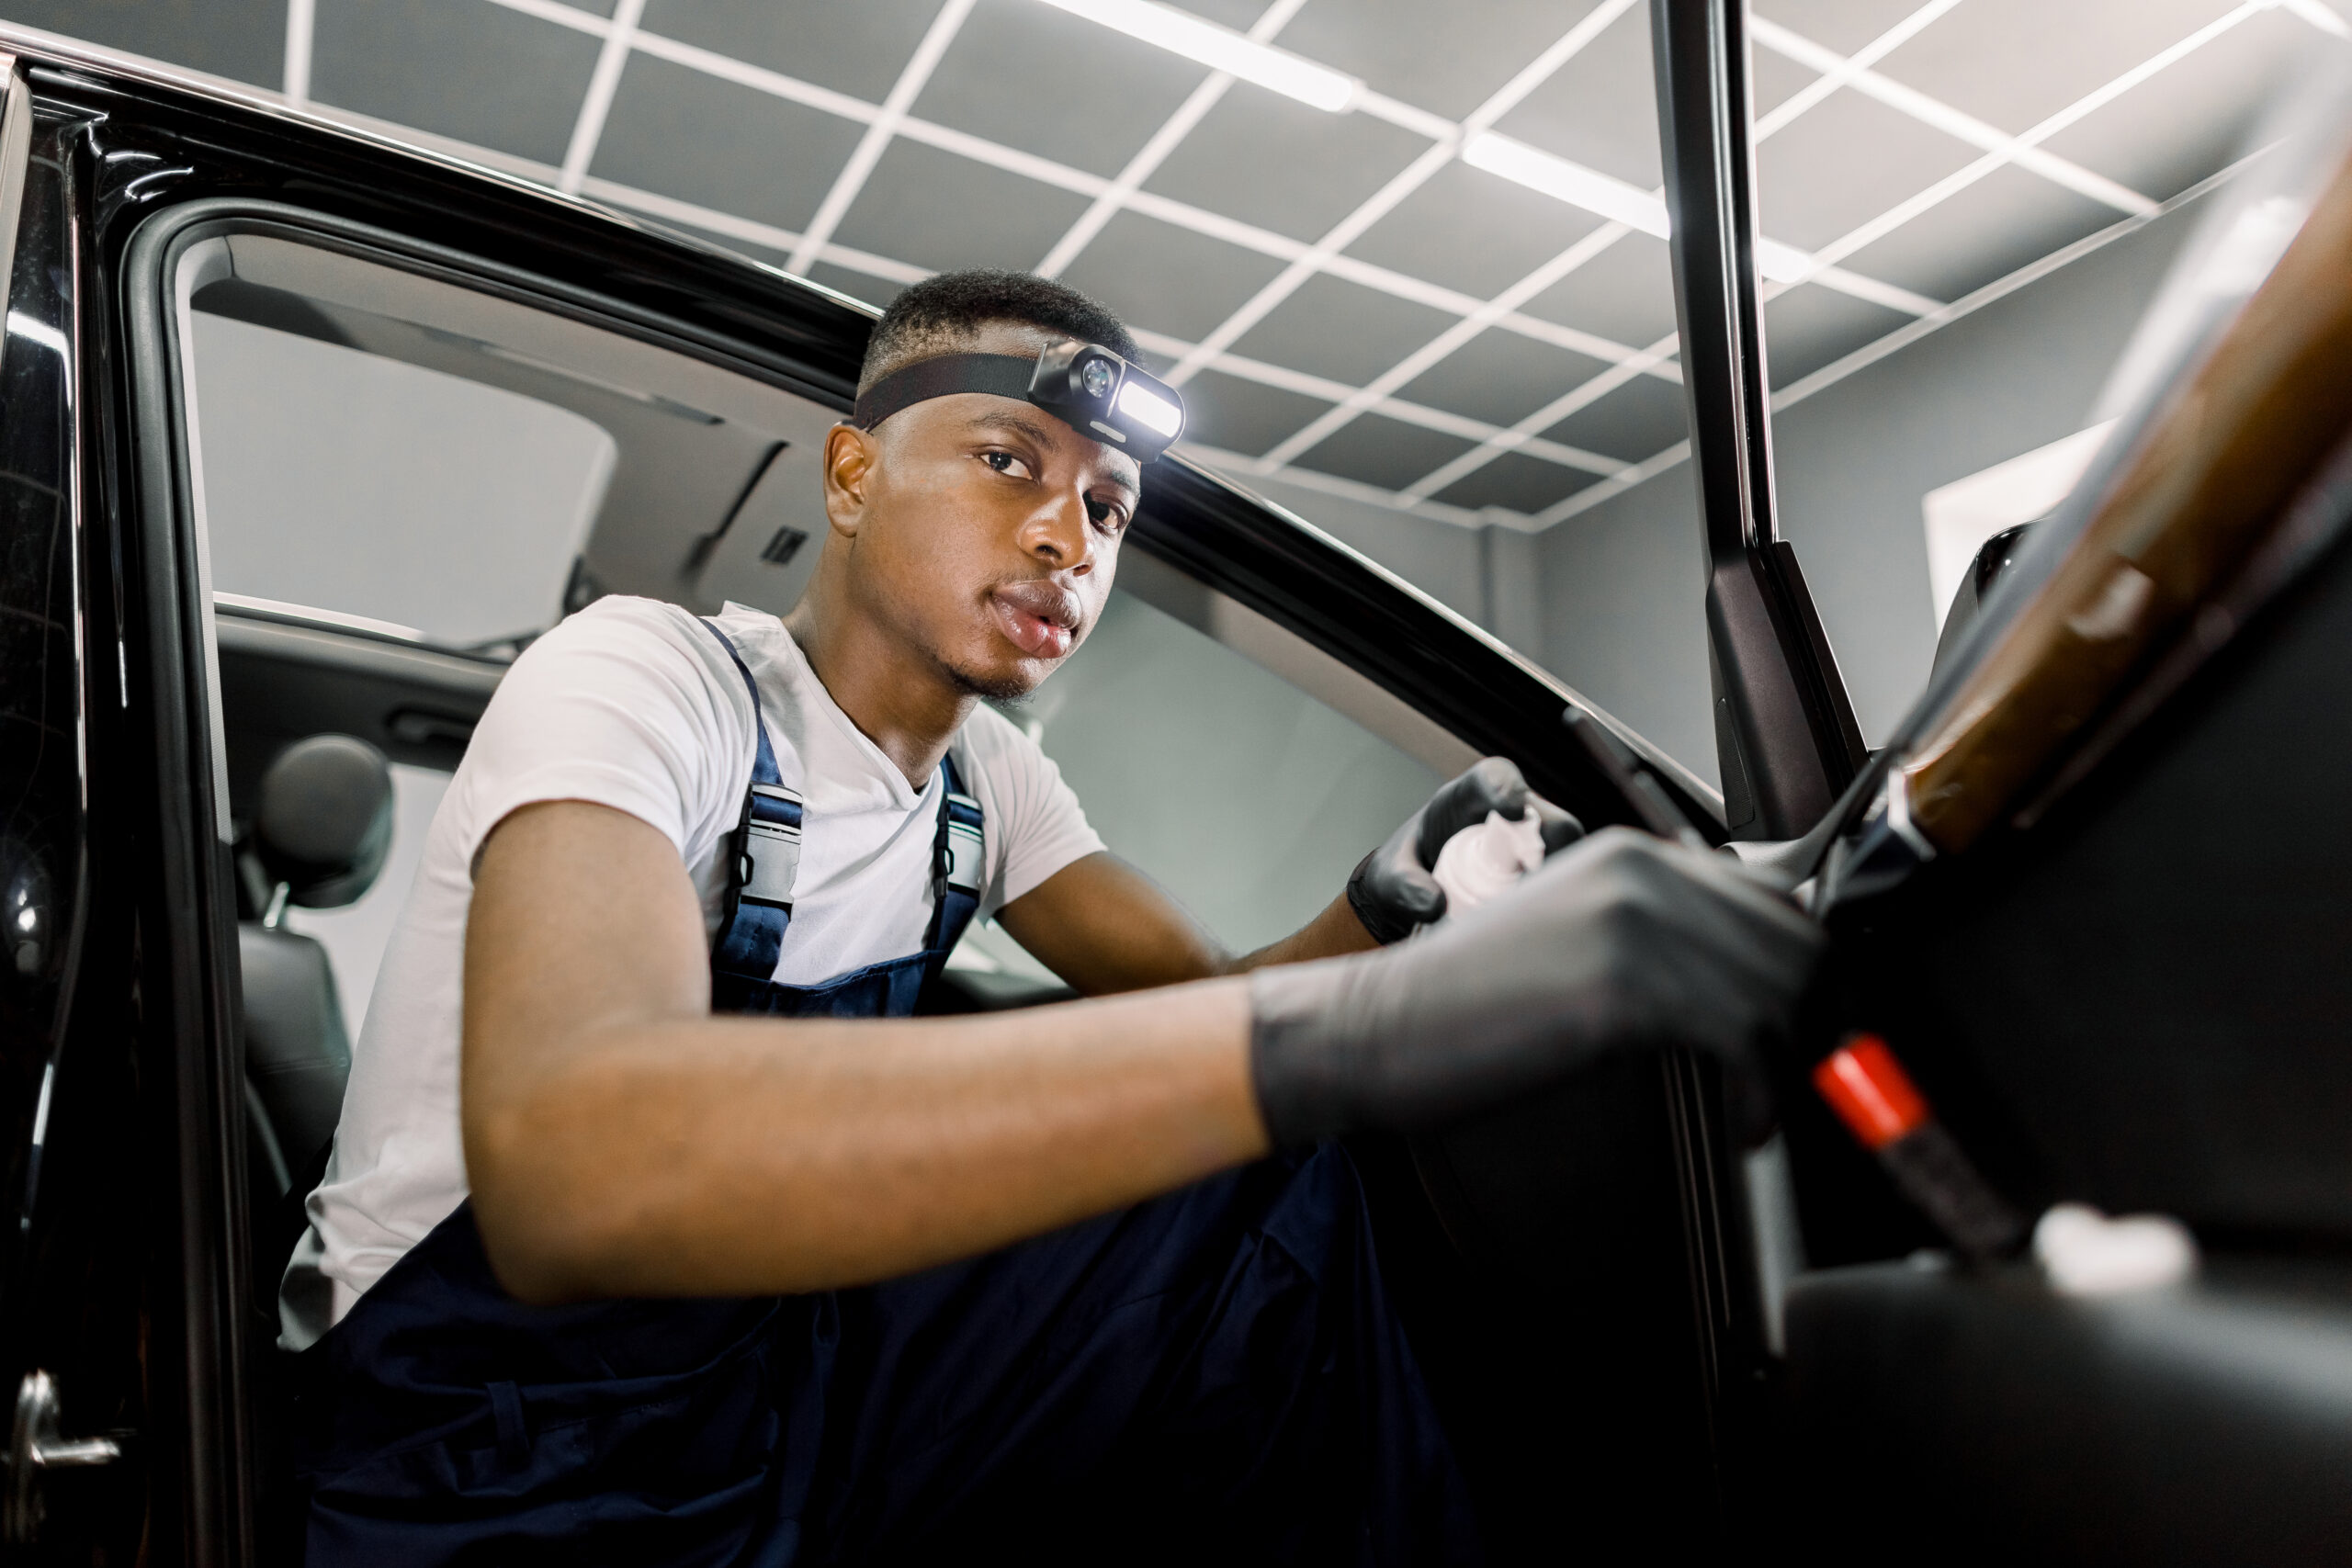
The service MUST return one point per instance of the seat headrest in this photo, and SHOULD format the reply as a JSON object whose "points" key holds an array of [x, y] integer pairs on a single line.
{"points": [[326, 820]]}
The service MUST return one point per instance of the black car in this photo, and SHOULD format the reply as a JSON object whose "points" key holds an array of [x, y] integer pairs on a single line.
{"points": [[1649, 1345]]}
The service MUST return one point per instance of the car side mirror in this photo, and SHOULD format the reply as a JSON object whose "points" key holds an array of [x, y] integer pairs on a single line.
{"points": [[1993, 558]]}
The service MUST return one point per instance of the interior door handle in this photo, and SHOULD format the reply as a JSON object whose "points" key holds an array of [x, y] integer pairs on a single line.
{"points": [[35, 1447]]}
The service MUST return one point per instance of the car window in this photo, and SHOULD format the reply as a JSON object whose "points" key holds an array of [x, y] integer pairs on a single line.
{"points": [[405, 462], [433, 505], [1244, 797]]}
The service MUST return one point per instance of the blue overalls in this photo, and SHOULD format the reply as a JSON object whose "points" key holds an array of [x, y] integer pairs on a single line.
{"points": [[1213, 1370]]}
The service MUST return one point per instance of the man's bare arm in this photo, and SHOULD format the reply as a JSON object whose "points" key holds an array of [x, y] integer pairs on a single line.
{"points": [[1104, 927], [621, 1141]]}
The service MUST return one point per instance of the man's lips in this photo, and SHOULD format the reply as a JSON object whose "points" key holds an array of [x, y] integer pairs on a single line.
{"points": [[1041, 617]]}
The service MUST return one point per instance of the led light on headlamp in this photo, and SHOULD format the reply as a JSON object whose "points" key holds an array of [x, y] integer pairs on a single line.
{"points": [[1084, 384]]}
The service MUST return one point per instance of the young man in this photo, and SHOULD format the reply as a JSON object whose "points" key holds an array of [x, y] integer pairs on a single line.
{"points": [[600, 1274]]}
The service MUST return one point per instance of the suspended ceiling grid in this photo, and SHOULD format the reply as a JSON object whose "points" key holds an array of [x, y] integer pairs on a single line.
{"points": [[1349, 303]]}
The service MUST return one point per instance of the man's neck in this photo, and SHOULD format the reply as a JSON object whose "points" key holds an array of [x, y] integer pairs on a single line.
{"points": [[897, 697]]}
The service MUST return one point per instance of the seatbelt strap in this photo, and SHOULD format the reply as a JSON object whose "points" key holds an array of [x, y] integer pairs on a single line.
{"points": [[956, 858], [765, 859], [764, 856]]}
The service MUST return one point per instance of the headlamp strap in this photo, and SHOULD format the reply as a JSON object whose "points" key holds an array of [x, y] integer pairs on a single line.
{"points": [[1004, 374]]}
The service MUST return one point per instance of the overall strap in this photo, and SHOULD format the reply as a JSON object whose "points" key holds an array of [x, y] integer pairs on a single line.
{"points": [[763, 857], [956, 861]]}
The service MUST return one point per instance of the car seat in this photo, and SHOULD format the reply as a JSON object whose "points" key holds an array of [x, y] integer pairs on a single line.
{"points": [[317, 841]]}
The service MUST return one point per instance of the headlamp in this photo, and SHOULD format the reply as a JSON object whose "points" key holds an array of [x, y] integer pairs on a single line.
{"points": [[1084, 384]]}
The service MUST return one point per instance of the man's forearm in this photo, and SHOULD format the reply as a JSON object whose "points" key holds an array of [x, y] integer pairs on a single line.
{"points": [[1335, 931], [732, 1156]]}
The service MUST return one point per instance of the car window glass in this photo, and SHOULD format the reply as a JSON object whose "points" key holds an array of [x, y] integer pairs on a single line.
{"points": [[1242, 796], [352, 482], [386, 457]]}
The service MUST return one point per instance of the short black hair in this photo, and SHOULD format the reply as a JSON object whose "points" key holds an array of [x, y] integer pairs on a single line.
{"points": [[930, 316]]}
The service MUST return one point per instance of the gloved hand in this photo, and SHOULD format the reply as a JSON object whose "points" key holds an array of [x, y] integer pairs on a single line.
{"points": [[1391, 891], [1623, 943]]}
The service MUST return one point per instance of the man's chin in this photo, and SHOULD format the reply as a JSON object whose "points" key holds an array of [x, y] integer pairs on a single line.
{"points": [[1000, 685]]}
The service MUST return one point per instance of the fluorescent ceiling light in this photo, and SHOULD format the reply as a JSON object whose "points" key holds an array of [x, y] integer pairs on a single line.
{"points": [[1221, 48], [1611, 198], [1571, 183], [1151, 410]]}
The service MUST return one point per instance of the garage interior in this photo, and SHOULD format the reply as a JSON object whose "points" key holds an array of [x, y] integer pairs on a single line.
{"points": [[1439, 324]]}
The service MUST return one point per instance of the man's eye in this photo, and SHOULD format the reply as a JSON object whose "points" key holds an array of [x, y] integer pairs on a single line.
{"points": [[1002, 462], [1104, 515]]}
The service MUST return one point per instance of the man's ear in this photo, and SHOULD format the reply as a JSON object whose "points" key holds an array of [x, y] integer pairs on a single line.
{"points": [[850, 457]]}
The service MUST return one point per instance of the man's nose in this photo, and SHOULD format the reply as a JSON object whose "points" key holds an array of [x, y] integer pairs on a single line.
{"points": [[1060, 533]]}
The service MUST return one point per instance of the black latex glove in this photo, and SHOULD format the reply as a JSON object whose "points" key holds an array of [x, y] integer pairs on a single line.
{"points": [[1391, 891], [1623, 943]]}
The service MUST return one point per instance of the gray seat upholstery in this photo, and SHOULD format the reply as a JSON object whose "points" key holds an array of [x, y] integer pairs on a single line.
{"points": [[297, 1053], [318, 840]]}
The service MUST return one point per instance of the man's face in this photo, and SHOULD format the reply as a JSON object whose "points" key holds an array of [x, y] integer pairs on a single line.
{"points": [[982, 529]]}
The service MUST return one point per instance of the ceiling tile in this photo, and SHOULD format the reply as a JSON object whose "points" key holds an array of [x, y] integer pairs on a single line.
{"points": [[1331, 327], [1842, 24], [1807, 328], [456, 68], [1471, 230], [1433, 57], [1624, 294], [874, 291], [1235, 415], [2193, 118], [1037, 78], [1774, 78], [683, 134], [1986, 231], [1637, 422], [1601, 108], [1168, 279], [1238, 14], [938, 210], [1500, 376], [856, 48], [1383, 451], [1266, 160], [2015, 63], [1516, 482], [1843, 164], [243, 39]]}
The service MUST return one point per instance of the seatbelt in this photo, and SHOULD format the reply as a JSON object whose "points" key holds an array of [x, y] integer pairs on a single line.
{"points": [[764, 855], [954, 860], [764, 858]]}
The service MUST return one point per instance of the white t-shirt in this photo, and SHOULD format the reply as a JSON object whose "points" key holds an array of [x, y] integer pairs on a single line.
{"points": [[632, 703]]}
